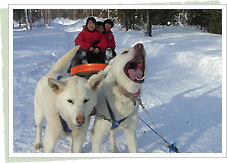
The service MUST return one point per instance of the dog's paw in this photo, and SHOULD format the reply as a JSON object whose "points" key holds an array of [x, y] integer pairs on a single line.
{"points": [[38, 145]]}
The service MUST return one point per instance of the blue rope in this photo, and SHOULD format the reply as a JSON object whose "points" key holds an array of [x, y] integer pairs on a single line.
{"points": [[171, 147]]}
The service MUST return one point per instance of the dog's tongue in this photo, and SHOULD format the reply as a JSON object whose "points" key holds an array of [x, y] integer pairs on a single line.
{"points": [[134, 74]]}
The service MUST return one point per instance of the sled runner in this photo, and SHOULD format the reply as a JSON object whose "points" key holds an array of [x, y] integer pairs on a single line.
{"points": [[87, 69]]}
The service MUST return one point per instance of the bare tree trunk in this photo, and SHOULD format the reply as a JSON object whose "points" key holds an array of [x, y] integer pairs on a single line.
{"points": [[149, 24], [30, 18], [130, 18], [185, 17], [58, 13], [26, 19], [20, 22], [108, 12], [133, 19], [86, 13], [100, 12], [117, 20], [46, 16], [73, 14], [43, 14], [49, 16], [76, 14], [126, 19], [141, 16]]}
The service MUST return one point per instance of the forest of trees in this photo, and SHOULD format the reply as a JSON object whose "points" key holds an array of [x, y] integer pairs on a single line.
{"points": [[209, 20]]}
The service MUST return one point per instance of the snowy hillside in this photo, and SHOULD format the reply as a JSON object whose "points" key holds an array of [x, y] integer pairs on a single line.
{"points": [[182, 90]]}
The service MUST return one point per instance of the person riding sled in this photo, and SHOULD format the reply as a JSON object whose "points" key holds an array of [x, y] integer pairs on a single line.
{"points": [[91, 44], [109, 37]]}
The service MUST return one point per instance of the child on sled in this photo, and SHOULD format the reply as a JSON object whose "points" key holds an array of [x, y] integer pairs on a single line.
{"points": [[104, 29], [109, 37], [91, 43], [94, 48]]}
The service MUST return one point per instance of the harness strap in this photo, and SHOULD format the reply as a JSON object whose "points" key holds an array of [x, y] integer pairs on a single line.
{"points": [[64, 125], [115, 123], [59, 77], [63, 122], [94, 111]]}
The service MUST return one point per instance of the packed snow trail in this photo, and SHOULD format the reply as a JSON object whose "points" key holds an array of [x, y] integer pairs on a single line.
{"points": [[182, 89]]}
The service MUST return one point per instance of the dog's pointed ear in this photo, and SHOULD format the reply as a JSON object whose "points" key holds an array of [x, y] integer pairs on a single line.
{"points": [[95, 81], [56, 85]]}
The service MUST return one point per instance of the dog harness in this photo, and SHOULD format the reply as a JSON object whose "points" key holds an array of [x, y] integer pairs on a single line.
{"points": [[63, 122], [115, 123], [64, 125], [59, 77]]}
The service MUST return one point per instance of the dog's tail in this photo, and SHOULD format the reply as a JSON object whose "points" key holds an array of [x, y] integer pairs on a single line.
{"points": [[63, 63]]}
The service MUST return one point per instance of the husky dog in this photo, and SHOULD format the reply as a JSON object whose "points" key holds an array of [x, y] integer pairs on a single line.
{"points": [[117, 98], [66, 103]]}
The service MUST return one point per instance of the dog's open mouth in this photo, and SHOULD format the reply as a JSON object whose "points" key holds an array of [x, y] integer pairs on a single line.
{"points": [[134, 69]]}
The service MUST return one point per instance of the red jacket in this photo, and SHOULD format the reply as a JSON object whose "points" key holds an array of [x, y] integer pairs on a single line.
{"points": [[110, 39], [86, 38]]}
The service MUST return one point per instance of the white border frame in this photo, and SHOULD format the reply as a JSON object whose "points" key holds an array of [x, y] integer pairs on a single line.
{"points": [[117, 155]]}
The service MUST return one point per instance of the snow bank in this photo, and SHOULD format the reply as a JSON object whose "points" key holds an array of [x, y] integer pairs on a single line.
{"points": [[209, 65], [63, 21]]}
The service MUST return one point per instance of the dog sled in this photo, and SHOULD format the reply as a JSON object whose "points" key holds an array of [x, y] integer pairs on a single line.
{"points": [[87, 69]]}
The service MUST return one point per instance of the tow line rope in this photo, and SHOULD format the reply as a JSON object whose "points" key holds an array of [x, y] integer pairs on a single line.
{"points": [[172, 146]]}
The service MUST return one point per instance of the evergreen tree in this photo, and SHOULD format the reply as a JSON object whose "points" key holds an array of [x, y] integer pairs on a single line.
{"points": [[214, 22]]}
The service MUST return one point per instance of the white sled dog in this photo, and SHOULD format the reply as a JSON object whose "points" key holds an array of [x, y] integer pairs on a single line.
{"points": [[117, 98], [66, 104]]}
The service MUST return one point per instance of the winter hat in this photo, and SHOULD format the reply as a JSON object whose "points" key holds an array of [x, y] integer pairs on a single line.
{"points": [[91, 19], [99, 23], [109, 21]]}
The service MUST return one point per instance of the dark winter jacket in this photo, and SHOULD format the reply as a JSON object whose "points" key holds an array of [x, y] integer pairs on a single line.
{"points": [[104, 44], [87, 39], [110, 39]]}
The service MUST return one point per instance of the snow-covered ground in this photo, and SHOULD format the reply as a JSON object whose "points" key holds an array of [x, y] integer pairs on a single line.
{"points": [[182, 90]]}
